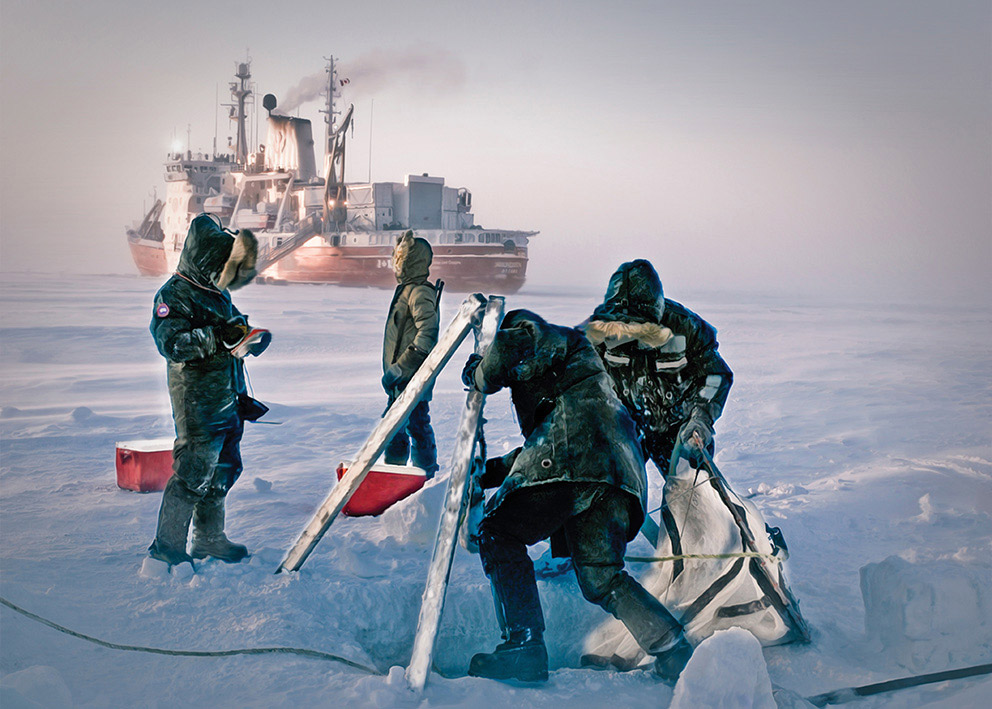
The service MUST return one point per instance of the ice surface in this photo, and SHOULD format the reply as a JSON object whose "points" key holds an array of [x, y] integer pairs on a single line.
{"points": [[37, 686], [726, 670], [860, 438], [929, 616]]}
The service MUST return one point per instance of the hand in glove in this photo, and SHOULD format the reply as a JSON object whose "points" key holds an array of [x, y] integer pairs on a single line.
{"points": [[468, 371], [233, 331], [254, 343], [693, 426], [392, 377]]}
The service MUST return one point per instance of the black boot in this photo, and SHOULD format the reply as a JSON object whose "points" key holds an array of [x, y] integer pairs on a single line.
{"points": [[522, 657], [173, 525], [668, 664], [208, 532]]}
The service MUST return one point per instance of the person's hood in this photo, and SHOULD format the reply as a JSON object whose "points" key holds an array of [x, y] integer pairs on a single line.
{"points": [[634, 294], [538, 343], [215, 257], [412, 258]]}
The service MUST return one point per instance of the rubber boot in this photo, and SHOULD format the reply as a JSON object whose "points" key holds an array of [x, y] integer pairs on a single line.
{"points": [[208, 532], [173, 525], [653, 627], [522, 657], [668, 664]]}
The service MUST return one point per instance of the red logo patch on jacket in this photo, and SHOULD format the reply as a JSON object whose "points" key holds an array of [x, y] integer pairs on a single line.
{"points": [[162, 310]]}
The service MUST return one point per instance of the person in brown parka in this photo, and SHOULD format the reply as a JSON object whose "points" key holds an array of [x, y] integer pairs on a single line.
{"points": [[410, 335]]}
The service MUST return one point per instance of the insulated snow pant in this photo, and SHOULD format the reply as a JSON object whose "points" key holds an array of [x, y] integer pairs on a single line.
{"points": [[208, 463], [595, 518], [418, 429]]}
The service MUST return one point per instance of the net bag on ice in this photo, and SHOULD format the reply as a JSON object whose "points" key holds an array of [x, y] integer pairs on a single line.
{"points": [[727, 568]]}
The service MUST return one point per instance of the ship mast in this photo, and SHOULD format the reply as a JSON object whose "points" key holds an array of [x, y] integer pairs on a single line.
{"points": [[335, 191], [330, 111], [240, 92]]}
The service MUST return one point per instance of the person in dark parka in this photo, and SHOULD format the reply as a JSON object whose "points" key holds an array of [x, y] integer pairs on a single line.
{"points": [[410, 334], [663, 360], [196, 327], [578, 478]]}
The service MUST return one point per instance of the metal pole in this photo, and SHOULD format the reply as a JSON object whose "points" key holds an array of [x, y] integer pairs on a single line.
{"points": [[454, 502]]}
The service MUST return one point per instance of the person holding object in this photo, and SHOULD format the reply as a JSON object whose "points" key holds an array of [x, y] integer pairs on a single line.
{"points": [[203, 338], [579, 479], [410, 334], [663, 361]]}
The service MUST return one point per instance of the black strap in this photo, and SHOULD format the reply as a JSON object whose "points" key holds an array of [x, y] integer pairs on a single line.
{"points": [[438, 289]]}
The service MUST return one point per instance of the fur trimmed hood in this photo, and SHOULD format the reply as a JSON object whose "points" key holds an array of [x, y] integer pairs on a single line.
{"points": [[214, 257], [617, 332], [239, 269], [412, 258]]}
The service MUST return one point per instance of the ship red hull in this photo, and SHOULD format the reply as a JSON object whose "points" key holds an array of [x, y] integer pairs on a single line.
{"points": [[463, 269], [149, 257]]}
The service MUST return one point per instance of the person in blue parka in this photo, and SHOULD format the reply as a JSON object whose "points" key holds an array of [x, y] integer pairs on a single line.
{"points": [[202, 337]]}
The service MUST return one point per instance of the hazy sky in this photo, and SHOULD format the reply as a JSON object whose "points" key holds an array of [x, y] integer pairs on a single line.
{"points": [[841, 146]]}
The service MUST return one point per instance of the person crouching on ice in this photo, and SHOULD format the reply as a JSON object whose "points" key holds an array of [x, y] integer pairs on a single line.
{"points": [[578, 479], [411, 333], [664, 363], [203, 338]]}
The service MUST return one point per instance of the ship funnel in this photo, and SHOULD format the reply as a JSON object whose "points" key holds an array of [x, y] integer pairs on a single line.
{"points": [[269, 103]]}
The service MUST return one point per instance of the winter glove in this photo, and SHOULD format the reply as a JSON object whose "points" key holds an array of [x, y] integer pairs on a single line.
{"points": [[468, 371], [392, 378], [497, 469], [233, 331], [255, 342], [695, 425]]}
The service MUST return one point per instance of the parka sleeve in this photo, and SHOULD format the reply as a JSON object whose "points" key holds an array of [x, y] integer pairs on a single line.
{"points": [[712, 377], [176, 338], [423, 311]]}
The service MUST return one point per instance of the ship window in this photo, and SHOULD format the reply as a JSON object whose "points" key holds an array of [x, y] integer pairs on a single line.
{"points": [[509, 247], [458, 238]]}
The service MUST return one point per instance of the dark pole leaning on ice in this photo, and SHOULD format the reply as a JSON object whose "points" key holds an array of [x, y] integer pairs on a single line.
{"points": [[455, 501], [468, 313]]}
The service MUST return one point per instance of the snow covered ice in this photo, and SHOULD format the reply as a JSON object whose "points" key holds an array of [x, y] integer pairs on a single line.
{"points": [[863, 431], [726, 670]]}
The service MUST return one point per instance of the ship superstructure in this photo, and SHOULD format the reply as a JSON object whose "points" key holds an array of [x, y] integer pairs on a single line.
{"points": [[314, 226]]}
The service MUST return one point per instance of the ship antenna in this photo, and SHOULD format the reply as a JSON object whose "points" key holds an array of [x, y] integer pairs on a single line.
{"points": [[216, 114], [240, 91]]}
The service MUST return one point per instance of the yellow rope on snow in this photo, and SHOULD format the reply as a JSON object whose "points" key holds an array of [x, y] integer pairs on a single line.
{"points": [[731, 555]]}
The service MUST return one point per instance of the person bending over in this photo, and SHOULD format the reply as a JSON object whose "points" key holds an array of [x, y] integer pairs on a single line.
{"points": [[579, 479]]}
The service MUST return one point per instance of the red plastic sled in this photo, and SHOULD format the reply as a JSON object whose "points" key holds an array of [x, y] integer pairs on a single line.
{"points": [[383, 487]]}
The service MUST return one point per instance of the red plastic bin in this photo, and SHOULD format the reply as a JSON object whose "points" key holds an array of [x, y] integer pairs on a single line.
{"points": [[144, 466], [383, 487]]}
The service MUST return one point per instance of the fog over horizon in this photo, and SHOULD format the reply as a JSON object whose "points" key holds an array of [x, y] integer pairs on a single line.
{"points": [[792, 148]]}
